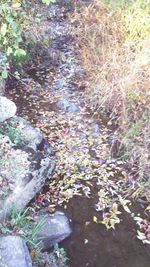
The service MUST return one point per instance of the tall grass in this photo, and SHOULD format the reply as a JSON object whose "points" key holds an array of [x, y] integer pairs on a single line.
{"points": [[114, 41]]}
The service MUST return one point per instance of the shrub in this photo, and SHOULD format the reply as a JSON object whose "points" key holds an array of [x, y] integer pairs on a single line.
{"points": [[16, 18]]}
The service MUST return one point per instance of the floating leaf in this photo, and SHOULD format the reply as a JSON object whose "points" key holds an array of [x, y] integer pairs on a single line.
{"points": [[115, 207], [148, 207], [87, 223], [141, 235], [95, 219], [126, 208]]}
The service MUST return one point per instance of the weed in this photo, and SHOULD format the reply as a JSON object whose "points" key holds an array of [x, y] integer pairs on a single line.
{"points": [[23, 224], [133, 130], [12, 132], [29, 229], [58, 256]]}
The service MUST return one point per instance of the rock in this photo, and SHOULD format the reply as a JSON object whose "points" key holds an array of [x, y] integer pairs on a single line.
{"points": [[14, 252], [7, 108], [2, 86], [3, 63], [23, 173], [22, 132], [55, 229]]}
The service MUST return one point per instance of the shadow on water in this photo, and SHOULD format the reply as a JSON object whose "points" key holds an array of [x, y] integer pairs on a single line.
{"points": [[90, 245]]}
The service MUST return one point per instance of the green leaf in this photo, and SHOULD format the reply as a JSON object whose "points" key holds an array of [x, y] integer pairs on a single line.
{"points": [[20, 52], [4, 74], [9, 51], [9, 19], [3, 29]]}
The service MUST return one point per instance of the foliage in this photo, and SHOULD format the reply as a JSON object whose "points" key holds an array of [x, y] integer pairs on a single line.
{"points": [[13, 19], [16, 18]]}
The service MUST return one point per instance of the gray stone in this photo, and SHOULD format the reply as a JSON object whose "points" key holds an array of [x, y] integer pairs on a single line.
{"points": [[23, 173], [55, 229], [7, 108], [14, 252], [2, 86], [26, 133]]}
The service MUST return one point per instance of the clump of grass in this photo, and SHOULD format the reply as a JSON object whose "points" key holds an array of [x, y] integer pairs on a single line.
{"points": [[23, 224], [114, 41]]}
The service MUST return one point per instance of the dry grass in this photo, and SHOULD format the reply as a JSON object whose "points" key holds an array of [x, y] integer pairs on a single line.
{"points": [[115, 51]]}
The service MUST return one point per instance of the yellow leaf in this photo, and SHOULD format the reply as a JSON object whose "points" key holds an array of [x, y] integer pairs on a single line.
{"points": [[95, 219], [32, 253], [148, 207], [16, 4], [115, 207]]}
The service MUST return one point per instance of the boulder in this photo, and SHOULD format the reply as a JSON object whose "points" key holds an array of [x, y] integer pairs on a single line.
{"points": [[7, 108], [21, 132], [14, 252], [55, 229], [22, 174]]}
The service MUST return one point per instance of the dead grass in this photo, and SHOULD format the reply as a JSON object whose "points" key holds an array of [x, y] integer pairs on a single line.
{"points": [[115, 51]]}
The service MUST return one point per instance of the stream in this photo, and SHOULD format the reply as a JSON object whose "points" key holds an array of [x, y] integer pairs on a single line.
{"points": [[51, 97]]}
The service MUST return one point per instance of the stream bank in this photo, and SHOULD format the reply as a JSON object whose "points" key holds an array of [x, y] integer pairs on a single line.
{"points": [[86, 179]]}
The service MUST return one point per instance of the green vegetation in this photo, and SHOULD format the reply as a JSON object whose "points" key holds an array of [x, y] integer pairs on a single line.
{"points": [[12, 132], [23, 224], [58, 257], [11, 17], [18, 23]]}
